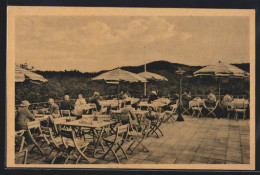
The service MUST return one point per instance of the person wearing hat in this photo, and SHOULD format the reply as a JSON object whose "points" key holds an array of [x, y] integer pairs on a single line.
{"points": [[23, 116], [95, 99], [152, 97]]}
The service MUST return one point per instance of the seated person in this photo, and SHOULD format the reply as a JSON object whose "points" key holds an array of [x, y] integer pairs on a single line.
{"points": [[151, 115], [95, 99], [80, 100], [53, 110], [227, 98], [127, 113], [210, 99], [23, 116], [66, 104], [186, 97], [153, 96]]}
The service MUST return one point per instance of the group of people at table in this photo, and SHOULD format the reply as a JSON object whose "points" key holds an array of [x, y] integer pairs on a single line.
{"points": [[157, 111], [23, 114]]}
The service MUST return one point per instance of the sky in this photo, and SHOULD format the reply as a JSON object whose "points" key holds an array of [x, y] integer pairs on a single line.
{"points": [[94, 43]]}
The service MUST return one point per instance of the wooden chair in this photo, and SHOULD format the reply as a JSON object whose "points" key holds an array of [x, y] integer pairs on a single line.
{"points": [[170, 114], [65, 113], [212, 109], [73, 145], [57, 124], [240, 107], [56, 144], [92, 107], [138, 136], [87, 131], [36, 134], [103, 110], [116, 141], [195, 106], [155, 125], [20, 153]]}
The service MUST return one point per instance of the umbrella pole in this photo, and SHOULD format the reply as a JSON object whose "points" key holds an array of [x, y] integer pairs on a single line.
{"points": [[118, 95], [145, 89], [219, 89]]}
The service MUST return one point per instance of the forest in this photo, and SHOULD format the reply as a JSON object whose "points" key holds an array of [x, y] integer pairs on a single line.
{"points": [[74, 82]]}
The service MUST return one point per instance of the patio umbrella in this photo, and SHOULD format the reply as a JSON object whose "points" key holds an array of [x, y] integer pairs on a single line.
{"points": [[118, 75], [22, 74], [221, 70], [151, 76]]}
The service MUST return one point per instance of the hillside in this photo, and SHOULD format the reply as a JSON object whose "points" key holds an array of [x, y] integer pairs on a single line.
{"points": [[75, 82]]}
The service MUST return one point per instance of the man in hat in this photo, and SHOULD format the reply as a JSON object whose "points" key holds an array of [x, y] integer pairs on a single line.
{"points": [[23, 116], [95, 99]]}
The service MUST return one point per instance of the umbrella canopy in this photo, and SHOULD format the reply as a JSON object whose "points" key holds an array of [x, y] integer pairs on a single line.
{"points": [[120, 75], [152, 76], [22, 74], [221, 70]]}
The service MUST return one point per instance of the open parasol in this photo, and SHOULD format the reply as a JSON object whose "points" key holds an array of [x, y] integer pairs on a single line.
{"points": [[221, 70], [22, 74]]}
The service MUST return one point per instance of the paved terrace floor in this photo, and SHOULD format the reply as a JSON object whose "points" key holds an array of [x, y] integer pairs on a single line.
{"points": [[194, 141]]}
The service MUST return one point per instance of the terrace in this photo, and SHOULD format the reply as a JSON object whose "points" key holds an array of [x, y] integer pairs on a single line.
{"points": [[194, 141]]}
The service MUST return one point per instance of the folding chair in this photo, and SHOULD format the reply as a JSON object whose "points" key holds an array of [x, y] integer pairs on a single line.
{"points": [[65, 113], [20, 153], [155, 125], [240, 107], [185, 107], [170, 114], [103, 110], [138, 137], [57, 124], [92, 107], [115, 142], [87, 131], [211, 110], [195, 106], [73, 145], [55, 144], [37, 135]]}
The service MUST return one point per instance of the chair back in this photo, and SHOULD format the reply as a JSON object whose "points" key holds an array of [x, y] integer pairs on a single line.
{"points": [[57, 124], [103, 110], [66, 135], [65, 113], [104, 117], [92, 107], [41, 111], [122, 131], [193, 103], [33, 125], [240, 105], [52, 140]]}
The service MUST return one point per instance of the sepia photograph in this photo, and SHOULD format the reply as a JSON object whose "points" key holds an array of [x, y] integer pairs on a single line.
{"points": [[138, 88]]}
